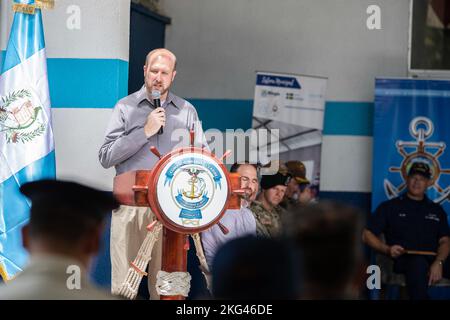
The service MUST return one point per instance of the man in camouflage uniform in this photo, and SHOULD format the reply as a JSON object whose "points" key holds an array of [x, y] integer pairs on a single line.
{"points": [[266, 208]]}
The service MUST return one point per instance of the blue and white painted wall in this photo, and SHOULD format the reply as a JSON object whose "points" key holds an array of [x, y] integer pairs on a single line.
{"points": [[220, 45]]}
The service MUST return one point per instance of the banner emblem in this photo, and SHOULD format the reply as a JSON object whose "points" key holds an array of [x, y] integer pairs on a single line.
{"points": [[419, 150], [19, 117]]}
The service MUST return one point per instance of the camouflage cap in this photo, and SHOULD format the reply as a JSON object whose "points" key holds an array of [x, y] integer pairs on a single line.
{"points": [[298, 171]]}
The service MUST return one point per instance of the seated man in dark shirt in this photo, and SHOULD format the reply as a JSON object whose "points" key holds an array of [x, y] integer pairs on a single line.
{"points": [[416, 232]]}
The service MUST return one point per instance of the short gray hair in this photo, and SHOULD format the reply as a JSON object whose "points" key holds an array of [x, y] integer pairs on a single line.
{"points": [[163, 52]]}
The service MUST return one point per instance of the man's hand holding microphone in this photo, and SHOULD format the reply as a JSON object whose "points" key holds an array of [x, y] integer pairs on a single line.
{"points": [[156, 120]]}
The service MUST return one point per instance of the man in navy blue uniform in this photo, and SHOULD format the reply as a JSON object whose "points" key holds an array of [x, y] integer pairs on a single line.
{"points": [[416, 231]]}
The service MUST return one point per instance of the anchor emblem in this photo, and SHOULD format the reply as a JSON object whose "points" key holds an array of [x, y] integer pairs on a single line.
{"points": [[419, 150], [192, 183], [197, 184]]}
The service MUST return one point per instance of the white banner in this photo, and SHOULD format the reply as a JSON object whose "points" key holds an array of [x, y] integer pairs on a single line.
{"points": [[292, 108], [289, 98]]}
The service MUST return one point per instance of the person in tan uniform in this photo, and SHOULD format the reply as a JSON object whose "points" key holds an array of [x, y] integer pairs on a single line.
{"points": [[62, 236]]}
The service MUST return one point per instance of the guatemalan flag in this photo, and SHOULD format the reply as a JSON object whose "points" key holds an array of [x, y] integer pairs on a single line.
{"points": [[26, 136]]}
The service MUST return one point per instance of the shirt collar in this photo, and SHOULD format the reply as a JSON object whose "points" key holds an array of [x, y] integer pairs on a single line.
{"points": [[171, 98], [174, 100], [55, 262], [405, 196]]}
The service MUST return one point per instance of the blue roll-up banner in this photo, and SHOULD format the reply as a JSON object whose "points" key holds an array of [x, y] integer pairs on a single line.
{"points": [[411, 123]]}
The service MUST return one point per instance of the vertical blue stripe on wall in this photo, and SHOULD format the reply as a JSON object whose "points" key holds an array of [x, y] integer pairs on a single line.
{"points": [[224, 114], [87, 83], [348, 118]]}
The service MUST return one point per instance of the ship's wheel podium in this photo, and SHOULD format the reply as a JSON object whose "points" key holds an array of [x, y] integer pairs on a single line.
{"points": [[188, 190]]}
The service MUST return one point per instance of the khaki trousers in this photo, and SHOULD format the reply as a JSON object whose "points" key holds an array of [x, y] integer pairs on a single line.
{"points": [[128, 231]]}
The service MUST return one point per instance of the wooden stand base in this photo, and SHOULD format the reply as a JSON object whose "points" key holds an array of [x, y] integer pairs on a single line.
{"points": [[174, 255]]}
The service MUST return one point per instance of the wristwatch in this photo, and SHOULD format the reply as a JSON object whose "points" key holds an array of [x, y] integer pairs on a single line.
{"points": [[440, 262]]}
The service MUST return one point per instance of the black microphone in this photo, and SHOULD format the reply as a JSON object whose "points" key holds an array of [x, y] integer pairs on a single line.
{"points": [[156, 96]]}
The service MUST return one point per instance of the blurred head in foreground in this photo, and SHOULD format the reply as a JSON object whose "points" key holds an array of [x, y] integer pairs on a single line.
{"points": [[328, 236], [255, 268], [66, 218]]}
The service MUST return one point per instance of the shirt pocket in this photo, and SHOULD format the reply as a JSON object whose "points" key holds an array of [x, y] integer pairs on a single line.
{"points": [[400, 226], [136, 120], [176, 122], [265, 221], [431, 225]]}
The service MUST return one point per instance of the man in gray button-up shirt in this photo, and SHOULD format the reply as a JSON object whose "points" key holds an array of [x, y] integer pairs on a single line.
{"points": [[127, 143], [132, 130]]}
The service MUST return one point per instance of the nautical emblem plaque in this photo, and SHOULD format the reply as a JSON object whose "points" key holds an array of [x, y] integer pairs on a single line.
{"points": [[190, 190]]}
